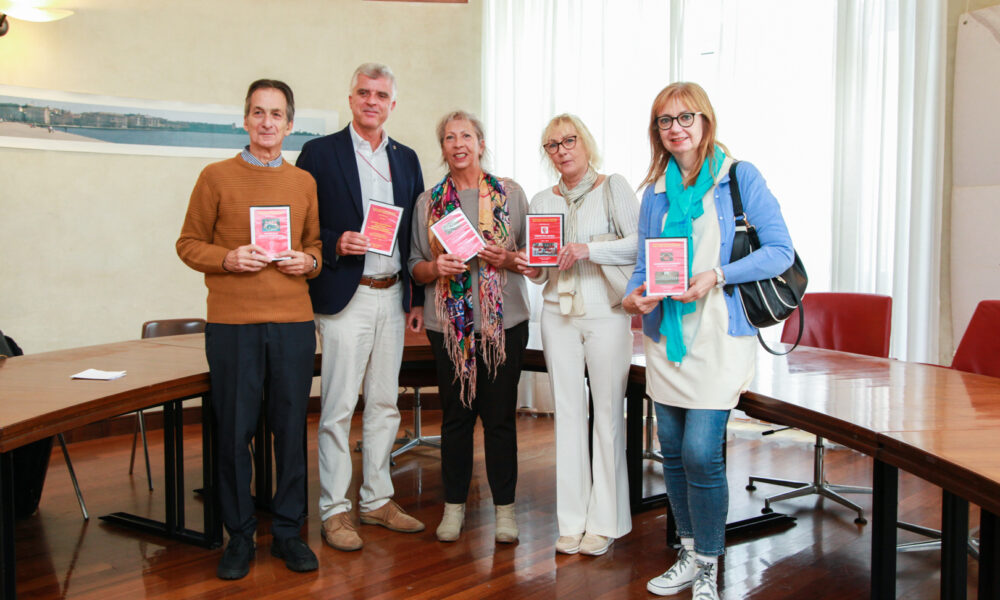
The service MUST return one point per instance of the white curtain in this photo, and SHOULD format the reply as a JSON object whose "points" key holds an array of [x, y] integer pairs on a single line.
{"points": [[602, 60], [888, 162], [838, 102]]}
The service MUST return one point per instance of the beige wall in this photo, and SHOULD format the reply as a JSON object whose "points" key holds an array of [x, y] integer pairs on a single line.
{"points": [[88, 244]]}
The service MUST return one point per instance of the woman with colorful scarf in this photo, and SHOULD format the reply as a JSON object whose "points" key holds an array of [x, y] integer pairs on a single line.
{"points": [[584, 327], [699, 345], [476, 319]]}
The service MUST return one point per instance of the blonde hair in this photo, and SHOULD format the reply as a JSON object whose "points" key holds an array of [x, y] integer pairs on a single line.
{"points": [[582, 133], [695, 99]]}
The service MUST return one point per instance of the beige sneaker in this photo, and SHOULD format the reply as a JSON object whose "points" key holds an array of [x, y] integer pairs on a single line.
{"points": [[595, 545], [451, 522], [568, 544], [392, 516], [339, 531], [506, 525]]}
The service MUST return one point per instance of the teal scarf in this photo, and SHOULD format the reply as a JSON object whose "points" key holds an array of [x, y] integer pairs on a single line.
{"points": [[685, 205]]}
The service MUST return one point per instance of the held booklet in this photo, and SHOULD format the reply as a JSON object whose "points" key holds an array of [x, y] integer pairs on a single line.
{"points": [[545, 239], [666, 266], [458, 236], [271, 229], [381, 226]]}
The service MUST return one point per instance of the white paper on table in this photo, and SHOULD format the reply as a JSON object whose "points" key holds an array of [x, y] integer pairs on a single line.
{"points": [[98, 374]]}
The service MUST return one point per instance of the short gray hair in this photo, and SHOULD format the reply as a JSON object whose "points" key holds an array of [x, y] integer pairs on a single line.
{"points": [[374, 71]]}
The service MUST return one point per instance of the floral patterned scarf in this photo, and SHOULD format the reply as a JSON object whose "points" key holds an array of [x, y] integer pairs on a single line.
{"points": [[453, 297]]}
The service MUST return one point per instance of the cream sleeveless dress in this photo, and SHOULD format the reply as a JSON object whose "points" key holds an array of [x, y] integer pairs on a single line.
{"points": [[717, 366]]}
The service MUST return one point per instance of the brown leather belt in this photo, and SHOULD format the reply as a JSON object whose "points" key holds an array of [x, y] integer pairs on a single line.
{"points": [[379, 283]]}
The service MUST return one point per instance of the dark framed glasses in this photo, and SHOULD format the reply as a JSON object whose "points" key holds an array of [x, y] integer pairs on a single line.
{"points": [[567, 143], [685, 119]]}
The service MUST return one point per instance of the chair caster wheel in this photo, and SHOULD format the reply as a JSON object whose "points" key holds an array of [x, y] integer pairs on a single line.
{"points": [[751, 487], [861, 521], [767, 510]]}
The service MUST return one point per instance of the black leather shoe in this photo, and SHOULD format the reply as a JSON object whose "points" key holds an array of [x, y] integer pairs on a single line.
{"points": [[235, 563], [296, 554]]}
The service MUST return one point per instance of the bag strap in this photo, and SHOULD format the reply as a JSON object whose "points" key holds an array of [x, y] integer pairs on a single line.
{"points": [[609, 211], [798, 338], [740, 218]]}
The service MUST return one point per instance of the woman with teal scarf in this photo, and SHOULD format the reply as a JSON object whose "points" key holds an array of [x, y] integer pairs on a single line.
{"points": [[699, 346]]}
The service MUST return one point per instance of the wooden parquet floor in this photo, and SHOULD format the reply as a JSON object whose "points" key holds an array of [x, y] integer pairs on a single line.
{"points": [[825, 555]]}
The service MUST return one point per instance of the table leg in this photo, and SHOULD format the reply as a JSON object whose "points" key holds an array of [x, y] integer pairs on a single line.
{"points": [[989, 555], [885, 494], [633, 444], [209, 475], [954, 543], [173, 525], [8, 572]]}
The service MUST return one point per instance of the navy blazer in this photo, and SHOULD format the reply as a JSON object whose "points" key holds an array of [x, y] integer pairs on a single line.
{"points": [[332, 163]]}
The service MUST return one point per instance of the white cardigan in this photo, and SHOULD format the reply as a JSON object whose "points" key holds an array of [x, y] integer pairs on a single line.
{"points": [[591, 221]]}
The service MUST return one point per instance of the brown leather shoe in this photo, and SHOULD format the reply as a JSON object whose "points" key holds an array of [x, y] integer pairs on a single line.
{"points": [[339, 531], [391, 516]]}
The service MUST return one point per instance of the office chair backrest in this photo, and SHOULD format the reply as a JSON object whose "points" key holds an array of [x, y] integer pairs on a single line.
{"points": [[979, 350], [152, 329], [858, 323]]}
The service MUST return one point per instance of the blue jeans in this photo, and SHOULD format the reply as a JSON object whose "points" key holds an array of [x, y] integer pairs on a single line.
{"points": [[695, 474]]}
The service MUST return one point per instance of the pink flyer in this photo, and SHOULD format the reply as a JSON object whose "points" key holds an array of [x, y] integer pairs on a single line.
{"points": [[458, 236], [666, 266], [271, 229], [381, 226]]}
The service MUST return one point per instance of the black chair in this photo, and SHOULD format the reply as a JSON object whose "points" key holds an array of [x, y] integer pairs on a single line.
{"points": [[152, 329]]}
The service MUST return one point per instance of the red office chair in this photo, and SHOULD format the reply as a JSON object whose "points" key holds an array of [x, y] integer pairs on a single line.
{"points": [[978, 352], [858, 323], [152, 329]]}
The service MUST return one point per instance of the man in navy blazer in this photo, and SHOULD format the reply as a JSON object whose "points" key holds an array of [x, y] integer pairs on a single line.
{"points": [[362, 301]]}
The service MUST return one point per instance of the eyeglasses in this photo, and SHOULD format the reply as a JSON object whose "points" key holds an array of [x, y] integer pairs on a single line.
{"points": [[567, 143], [685, 119]]}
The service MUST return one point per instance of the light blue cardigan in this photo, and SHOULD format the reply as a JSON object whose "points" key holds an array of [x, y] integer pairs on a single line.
{"points": [[773, 258]]}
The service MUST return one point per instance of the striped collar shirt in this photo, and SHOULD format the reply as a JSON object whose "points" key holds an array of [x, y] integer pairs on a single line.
{"points": [[253, 160]]}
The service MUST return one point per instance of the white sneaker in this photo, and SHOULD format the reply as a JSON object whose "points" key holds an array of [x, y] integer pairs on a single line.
{"points": [[705, 587], [568, 544], [678, 577]]}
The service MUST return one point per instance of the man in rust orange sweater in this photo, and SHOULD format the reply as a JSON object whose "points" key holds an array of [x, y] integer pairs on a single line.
{"points": [[260, 322]]}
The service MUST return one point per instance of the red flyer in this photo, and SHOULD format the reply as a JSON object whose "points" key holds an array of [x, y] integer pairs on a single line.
{"points": [[271, 229], [666, 266], [545, 239], [457, 235], [381, 226]]}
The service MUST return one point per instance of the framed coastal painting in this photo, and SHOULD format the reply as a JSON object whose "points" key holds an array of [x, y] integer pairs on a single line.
{"points": [[54, 120]]}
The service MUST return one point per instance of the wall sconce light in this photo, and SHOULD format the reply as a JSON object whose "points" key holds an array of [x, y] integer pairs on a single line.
{"points": [[31, 13]]}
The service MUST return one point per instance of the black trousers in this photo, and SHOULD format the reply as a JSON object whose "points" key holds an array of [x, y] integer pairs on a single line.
{"points": [[241, 359], [495, 404]]}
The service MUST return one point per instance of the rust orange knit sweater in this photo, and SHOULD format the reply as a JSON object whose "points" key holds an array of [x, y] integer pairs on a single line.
{"points": [[218, 220]]}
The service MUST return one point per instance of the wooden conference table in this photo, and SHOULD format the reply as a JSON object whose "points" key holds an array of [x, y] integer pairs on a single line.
{"points": [[936, 423], [939, 424]]}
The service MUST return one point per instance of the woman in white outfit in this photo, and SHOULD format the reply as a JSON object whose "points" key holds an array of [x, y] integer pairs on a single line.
{"points": [[583, 325]]}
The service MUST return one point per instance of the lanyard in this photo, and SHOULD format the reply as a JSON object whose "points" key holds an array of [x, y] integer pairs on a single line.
{"points": [[368, 162]]}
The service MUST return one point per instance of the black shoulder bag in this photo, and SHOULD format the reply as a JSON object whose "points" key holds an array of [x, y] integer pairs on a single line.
{"points": [[769, 301]]}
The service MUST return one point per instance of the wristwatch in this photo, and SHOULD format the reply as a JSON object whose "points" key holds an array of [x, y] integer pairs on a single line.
{"points": [[315, 264], [720, 277]]}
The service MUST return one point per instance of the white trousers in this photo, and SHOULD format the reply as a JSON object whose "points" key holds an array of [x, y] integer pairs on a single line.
{"points": [[591, 493], [363, 342]]}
